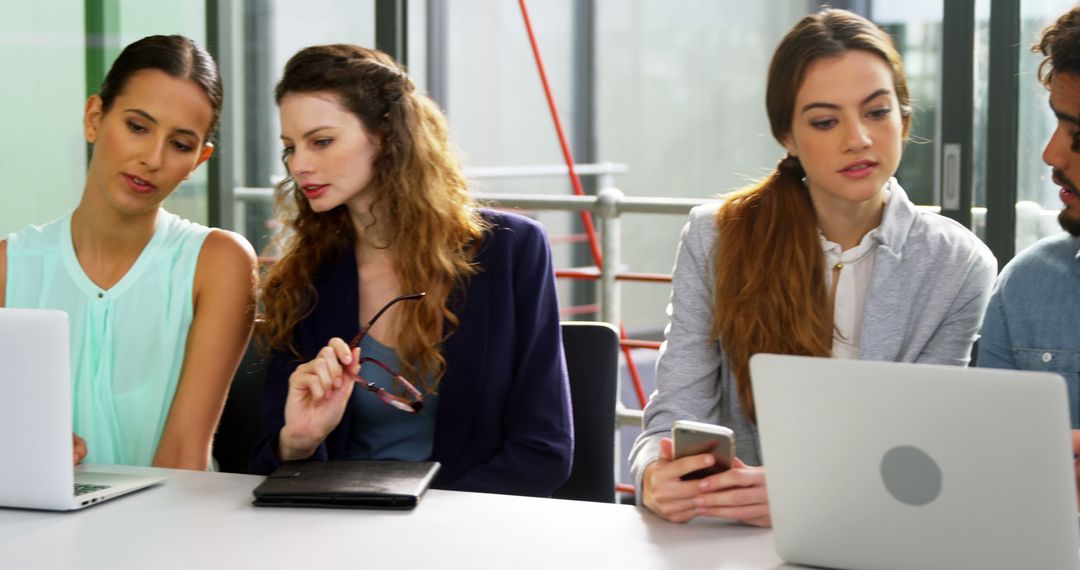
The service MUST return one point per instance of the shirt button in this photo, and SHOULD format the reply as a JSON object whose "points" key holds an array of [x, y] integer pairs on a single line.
{"points": [[101, 295], [1047, 357]]}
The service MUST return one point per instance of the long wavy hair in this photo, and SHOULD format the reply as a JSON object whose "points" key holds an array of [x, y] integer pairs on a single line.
{"points": [[429, 219], [770, 291]]}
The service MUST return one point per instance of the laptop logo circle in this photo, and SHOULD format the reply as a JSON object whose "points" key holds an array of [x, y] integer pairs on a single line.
{"points": [[911, 475]]}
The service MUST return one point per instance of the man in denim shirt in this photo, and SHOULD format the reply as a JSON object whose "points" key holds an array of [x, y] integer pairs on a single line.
{"points": [[1033, 321]]}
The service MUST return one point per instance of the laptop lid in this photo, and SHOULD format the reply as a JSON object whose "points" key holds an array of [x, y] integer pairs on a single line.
{"points": [[890, 465], [36, 419], [35, 411], [358, 484]]}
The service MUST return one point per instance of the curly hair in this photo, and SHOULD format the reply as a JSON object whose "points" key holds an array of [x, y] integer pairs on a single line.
{"points": [[417, 183], [1060, 43]]}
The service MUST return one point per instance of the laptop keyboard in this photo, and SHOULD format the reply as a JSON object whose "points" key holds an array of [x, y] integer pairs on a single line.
{"points": [[83, 488]]}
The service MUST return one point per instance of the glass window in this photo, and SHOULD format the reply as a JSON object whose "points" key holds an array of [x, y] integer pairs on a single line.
{"points": [[1037, 204], [42, 152], [681, 100], [498, 114], [135, 19], [916, 29], [261, 37], [981, 70], [45, 154]]}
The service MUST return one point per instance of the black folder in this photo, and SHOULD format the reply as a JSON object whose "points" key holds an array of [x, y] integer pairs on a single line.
{"points": [[347, 484]]}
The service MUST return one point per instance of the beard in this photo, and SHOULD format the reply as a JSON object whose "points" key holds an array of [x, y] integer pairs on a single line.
{"points": [[1069, 219], [1070, 222]]}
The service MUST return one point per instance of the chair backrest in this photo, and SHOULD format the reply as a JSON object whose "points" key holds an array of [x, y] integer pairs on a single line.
{"points": [[592, 361], [240, 425]]}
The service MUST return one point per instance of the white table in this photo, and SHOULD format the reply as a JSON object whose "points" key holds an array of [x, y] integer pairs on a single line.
{"points": [[206, 520]]}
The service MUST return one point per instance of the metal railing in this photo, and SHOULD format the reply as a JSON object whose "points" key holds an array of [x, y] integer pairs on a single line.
{"points": [[609, 205]]}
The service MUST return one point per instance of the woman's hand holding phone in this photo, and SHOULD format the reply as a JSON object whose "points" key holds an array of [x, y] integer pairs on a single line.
{"points": [[664, 491], [737, 493]]}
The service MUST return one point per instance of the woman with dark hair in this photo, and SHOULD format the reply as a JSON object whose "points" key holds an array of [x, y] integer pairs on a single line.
{"points": [[160, 308], [824, 257], [462, 358]]}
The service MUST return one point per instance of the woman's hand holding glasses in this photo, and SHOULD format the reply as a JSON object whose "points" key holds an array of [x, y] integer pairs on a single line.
{"points": [[319, 391]]}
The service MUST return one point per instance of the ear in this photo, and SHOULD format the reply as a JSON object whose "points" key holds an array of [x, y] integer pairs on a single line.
{"points": [[92, 118], [789, 145], [204, 155]]}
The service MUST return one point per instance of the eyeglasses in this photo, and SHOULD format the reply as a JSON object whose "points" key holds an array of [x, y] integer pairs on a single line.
{"points": [[415, 400]]}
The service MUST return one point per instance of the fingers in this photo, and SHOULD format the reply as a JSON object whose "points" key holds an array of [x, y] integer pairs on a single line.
{"points": [[324, 373], [740, 475], [687, 464], [341, 350], [79, 449], [737, 494], [734, 497], [667, 449], [745, 504], [744, 514], [664, 491], [1076, 441], [330, 360], [354, 366]]}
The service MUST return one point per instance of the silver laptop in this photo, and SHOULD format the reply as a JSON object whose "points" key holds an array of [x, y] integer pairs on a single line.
{"points": [[36, 418], [886, 465]]}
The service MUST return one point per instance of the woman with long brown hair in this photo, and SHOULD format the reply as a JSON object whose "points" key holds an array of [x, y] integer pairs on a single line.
{"points": [[824, 257], [460, 348]]}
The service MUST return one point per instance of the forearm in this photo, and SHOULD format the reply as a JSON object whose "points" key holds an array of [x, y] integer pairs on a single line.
{"points": [[187, 455]]}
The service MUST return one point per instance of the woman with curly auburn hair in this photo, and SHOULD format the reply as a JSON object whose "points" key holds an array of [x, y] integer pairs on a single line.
{"points": [[824, 257], [460, 354]]}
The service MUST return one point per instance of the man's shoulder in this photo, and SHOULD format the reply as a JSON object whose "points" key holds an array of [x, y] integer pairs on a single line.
{"points": [[1041, 269], [1045, 255]]}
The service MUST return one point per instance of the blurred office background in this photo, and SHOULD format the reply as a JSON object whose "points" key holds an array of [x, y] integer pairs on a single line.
{"points": [[668, 95]]}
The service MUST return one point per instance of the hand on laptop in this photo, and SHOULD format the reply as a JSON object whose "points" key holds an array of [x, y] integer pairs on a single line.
{"points": [[319, 391], [737, 494], [79, 447]]}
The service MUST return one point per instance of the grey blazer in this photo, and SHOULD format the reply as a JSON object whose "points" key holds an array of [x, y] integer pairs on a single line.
{"points": [[929, 287]]}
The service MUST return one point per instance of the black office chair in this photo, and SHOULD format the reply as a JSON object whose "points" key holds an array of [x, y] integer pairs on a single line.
{"points": [[239, 428], [592, 361]]}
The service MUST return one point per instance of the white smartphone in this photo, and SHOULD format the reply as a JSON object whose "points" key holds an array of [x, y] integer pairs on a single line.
{"points": [[695, 438]]}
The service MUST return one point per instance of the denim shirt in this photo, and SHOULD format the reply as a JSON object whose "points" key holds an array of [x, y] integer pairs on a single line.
{"points": [[1033, 321]]}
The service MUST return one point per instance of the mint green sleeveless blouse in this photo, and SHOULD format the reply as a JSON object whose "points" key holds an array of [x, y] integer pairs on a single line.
{"points": [[127, 342]]}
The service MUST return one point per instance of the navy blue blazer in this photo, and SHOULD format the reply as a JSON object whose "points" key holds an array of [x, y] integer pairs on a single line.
{"points": [[504, 421]]}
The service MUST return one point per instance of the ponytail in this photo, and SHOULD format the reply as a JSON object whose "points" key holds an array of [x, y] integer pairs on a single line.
{"points": [[770, 276]]}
